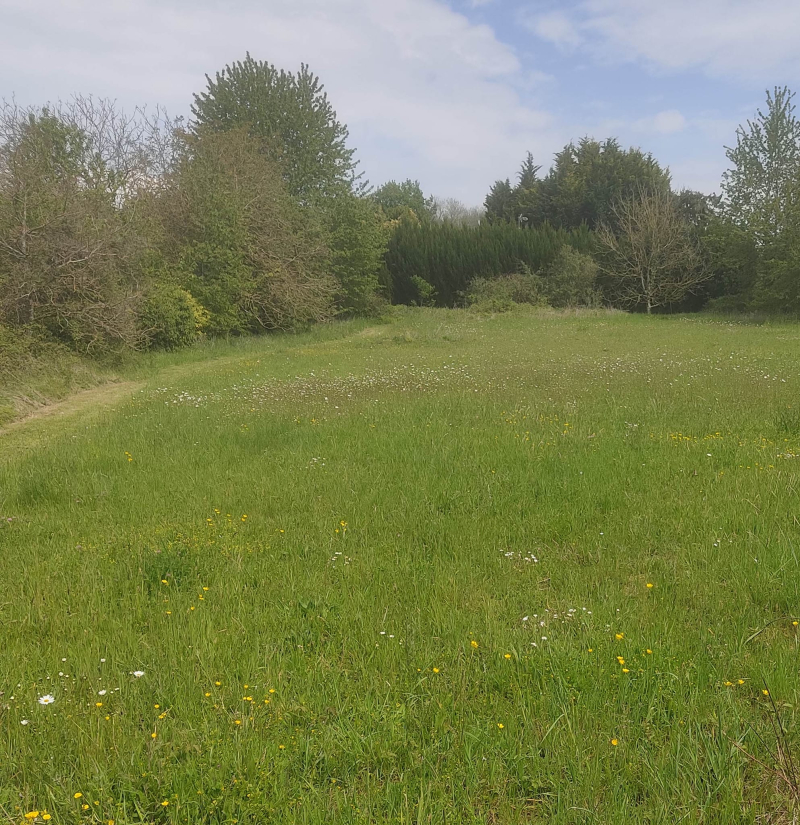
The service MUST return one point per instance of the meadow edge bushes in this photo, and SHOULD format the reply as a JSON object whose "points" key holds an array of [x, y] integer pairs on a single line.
{"points": [[569, 281], [125, 232]]}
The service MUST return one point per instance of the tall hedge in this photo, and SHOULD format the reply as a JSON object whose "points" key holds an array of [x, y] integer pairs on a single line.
{"points": [[449, 257]]}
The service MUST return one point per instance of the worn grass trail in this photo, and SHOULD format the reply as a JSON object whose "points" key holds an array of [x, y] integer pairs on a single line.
{"points": [[532, 568]]}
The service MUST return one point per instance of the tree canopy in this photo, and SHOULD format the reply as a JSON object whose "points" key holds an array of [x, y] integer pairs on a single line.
{"points": [[402, 200], [758, 189], [584, 184], [291, 115]]}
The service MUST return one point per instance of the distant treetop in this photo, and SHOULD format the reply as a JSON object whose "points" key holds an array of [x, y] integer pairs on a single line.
{"points": [[292, 116]]}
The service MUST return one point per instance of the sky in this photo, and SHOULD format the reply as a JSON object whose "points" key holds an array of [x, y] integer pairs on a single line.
{"points": [[452, 93]]}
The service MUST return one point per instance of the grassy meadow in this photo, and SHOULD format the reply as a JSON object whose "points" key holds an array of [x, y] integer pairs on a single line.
{"points": [[533, 568]]}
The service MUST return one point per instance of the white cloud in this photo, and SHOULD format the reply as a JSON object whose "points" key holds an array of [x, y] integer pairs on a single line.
{"points": [[663, 123], [554, 26], [751, 40], [426, 92]]}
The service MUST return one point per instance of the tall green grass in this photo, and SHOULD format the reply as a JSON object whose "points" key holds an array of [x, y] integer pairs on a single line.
{"points": [[402, 575]]}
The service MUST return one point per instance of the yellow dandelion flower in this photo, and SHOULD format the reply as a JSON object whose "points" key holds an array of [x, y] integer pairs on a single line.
{"points": [[436, 670], [500, 725], [238, 722], [648, 651], [77, 795], [281, 747], [153, 735], [765, 692], [625, 670], [98, 704], [84, 807], [507, 656], [165, 803], [31, 814], [474, 643], [649, 584], [619, 636], [46, 817], [615, 742]]}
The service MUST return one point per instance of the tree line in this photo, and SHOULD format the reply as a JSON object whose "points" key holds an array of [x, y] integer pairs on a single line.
{"points": [[129, 231], [652, 248]]}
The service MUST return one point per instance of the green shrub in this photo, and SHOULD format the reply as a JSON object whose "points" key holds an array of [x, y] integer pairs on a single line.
{"points": [[170, 318], [730, 304], [356, 238], [426, 294], [571, 279], [501, 294]]}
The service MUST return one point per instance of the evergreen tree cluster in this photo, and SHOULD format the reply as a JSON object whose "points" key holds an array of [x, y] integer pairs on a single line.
{"points": [[581, 188], [448, 257]]}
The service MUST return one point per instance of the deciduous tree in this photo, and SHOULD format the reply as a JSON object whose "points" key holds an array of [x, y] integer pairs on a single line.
{"points": [[75, 183], [238, 240], [649, 256], [765, 164], [403, 200]]}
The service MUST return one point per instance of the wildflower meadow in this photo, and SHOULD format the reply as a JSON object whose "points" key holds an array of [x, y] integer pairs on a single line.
{"points": [[450, 568]]}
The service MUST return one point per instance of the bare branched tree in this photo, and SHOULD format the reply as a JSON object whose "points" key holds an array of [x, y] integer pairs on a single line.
{"points": [[132, 152], [651, 258], [452, 210]]}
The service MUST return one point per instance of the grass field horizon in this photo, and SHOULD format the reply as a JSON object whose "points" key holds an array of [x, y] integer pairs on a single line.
{"points": [[536, 567]]}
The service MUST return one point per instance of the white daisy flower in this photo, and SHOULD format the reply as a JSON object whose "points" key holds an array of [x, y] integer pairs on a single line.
{"points": [[47, 699], [23, 721], [101, 692], [138, 673]]}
